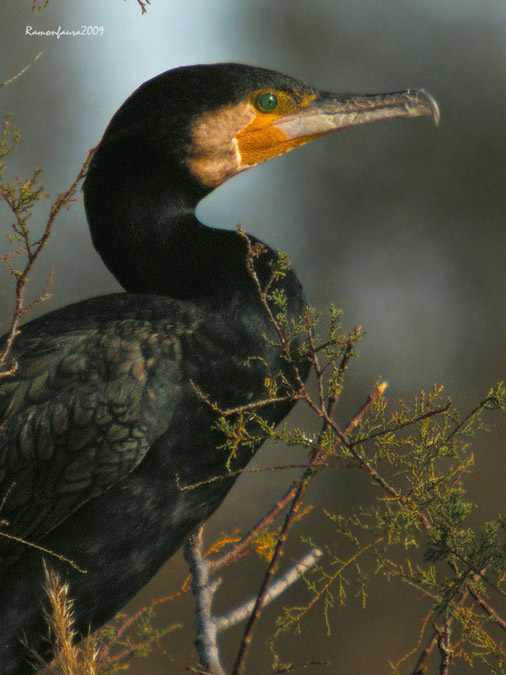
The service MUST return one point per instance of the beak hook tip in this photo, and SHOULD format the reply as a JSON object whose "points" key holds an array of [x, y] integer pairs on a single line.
{"points": [[433, 106]]}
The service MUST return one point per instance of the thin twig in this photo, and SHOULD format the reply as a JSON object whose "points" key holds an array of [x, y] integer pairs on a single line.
{"points": [[335, 575], [284, 342], [105, 650], [256, 469], [42, 549], [401, 425], [255, 531], [22, 71], [300, 666], [462, 424], [343, 366], [180, 664], [38, 9], [314, 359], [143, 5], [426, 652], [433, 640], [63, 200], [247, 407], [488, 610]]}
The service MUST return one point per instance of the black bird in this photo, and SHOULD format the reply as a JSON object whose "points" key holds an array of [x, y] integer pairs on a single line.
{"points": [[101, 422]]}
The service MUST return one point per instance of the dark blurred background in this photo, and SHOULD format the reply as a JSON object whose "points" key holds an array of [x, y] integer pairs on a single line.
{"points": [[400, 224]]}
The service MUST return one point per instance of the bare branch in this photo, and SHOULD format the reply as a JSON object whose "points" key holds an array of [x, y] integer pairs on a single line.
{"points": [[290, 577], [203, 591], [445, 650]]}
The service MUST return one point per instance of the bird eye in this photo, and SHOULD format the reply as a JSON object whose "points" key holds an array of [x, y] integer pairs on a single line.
{"points": [[267, 102]]}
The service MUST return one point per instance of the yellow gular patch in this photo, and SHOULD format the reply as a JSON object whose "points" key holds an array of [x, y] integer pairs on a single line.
{"points": [[261, 139]]}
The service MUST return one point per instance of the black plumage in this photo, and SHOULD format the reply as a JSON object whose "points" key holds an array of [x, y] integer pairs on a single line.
{"points": [[101, 423]]}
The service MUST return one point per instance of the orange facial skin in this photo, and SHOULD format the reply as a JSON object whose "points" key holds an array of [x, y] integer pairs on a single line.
{"points": [[261, 139]]}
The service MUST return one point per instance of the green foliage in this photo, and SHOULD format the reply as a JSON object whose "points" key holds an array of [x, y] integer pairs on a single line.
{"points": [[21, 197], [421, 530]]}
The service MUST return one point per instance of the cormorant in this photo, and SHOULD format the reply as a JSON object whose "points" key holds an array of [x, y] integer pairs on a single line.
{"points": [[101, 422]]}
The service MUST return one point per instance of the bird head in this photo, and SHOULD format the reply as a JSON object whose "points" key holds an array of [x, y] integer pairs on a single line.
{"points": [[214, 121]]}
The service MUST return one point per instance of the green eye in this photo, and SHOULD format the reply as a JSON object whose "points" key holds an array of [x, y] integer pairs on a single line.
{"points": [[267, 102]]}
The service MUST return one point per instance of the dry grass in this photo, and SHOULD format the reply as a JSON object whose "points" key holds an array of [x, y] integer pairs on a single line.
{"points": [[70, 659]]}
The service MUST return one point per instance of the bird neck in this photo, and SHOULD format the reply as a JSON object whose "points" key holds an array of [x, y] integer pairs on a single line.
{"points": [[149, 237]]}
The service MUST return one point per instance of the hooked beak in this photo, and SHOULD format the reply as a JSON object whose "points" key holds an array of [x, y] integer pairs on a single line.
{"points": [[329, 112]]}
